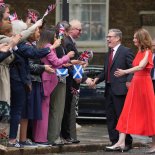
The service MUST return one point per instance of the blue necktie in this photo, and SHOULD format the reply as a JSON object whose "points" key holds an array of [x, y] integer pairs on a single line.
{"points": [[153, 69]]}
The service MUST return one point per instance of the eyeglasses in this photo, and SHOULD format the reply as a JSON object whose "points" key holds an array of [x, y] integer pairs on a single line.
{"points": [[78, 29], [110, 36]]}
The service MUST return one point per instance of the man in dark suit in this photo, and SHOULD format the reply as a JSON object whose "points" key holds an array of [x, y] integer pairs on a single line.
{"points": [[116, 88], [68, 129]]}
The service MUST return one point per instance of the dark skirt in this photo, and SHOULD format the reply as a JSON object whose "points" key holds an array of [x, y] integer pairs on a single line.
{"points": [[32, 108]]}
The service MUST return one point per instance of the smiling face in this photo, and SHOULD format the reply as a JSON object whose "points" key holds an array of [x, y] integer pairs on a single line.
{"points": [[35, 36], [135, 40], [112, 39], [76, 29], [6, 14]]}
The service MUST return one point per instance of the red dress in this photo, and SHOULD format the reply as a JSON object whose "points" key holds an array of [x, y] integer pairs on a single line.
{"points": [[138, 114]]}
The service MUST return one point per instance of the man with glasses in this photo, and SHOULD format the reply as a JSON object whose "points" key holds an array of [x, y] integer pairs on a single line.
{"points": [[68, 130], [116, 88]]}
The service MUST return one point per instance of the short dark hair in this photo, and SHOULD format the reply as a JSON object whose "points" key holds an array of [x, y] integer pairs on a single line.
{"points": [[47, 36]]}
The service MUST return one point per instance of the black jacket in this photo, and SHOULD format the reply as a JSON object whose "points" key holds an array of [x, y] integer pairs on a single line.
{"points": [[123, 59], [4, 55], [19, 68]]}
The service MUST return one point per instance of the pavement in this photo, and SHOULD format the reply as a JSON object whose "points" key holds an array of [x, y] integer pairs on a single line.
{"points": [[93, 138]]}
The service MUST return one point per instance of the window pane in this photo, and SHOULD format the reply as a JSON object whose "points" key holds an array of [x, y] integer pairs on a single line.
{"points": [[92, 14]]}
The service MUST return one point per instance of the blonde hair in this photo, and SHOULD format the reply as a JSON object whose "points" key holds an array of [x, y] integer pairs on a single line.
{"points": [[18, 26]]}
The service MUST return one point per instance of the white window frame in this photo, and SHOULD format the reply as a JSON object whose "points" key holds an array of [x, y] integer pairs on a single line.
{"points": [[98, 46]]}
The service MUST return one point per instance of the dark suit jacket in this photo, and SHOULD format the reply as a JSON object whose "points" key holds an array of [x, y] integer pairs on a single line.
{"points": [[123, 59], [70, 46], [19, 68]]}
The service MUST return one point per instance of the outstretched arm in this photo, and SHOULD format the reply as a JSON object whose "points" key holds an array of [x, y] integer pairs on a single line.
{"points": [[142, 64]]}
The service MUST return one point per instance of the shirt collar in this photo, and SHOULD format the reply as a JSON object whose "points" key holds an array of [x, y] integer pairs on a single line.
{"points": [[72, 38], [116, 47]]}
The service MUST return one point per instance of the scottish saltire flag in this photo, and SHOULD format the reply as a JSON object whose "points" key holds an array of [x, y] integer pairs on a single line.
{"points": [[86, 56], [62, 72], [13, 16], [77, 71], [32, 16], [49, 9], [61, 31]]}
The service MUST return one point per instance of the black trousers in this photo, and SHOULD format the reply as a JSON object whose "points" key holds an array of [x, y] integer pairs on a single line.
{"points": [[68, 126], [114, 106]]}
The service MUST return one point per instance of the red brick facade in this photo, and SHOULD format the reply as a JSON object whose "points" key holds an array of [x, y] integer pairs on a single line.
{"points": [[123, 14]]}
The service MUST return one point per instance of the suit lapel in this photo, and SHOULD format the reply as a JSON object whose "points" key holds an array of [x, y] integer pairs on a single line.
{"points": [[116, 55], [106, 63]]}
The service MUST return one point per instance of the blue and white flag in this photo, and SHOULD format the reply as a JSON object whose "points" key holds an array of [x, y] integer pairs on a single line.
{"points": [[77, 71], [62, 72]]}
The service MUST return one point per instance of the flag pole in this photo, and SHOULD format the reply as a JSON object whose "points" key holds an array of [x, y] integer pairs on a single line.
{"points": [[65, 8]]}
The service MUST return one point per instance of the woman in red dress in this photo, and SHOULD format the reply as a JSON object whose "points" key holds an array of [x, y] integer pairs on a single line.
{"points": [[138, 114]]}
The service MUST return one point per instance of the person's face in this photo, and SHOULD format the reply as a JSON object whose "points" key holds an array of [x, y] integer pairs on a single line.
{"points": [[6, 14], [135, 40], [76, 32], [37, 34], [112, 40]]}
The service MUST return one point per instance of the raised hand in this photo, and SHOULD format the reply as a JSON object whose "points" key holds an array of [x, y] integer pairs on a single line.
{"points": [[57, 43], [15, 40], [71, 54]]}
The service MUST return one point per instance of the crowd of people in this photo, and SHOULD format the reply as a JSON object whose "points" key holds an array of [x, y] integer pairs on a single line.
{"points": [[40, 104]]}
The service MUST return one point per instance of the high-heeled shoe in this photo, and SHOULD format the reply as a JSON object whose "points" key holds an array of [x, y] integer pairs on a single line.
{"points": [[115, 148]]}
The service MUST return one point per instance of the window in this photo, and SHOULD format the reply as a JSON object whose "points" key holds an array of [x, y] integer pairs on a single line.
{"points": [[93, 15]]}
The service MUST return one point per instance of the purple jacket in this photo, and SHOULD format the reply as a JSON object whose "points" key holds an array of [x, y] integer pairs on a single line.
{"points": [[50, 80]]}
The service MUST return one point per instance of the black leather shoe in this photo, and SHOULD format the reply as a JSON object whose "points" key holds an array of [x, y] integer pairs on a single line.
{"points": [[75, 141], [66, 142]]}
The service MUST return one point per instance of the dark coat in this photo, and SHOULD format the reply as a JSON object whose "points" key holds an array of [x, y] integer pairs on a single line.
{"points": [[4, 55], [123, 60], [19, 68]]}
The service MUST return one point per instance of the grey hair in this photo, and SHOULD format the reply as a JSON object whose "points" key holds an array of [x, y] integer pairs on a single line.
{"points": [[18, 26], [117, 32], [75, 23]]}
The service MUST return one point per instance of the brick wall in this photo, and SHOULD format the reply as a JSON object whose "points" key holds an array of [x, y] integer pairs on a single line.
{"points": [[22, 5], [123, 14]]}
